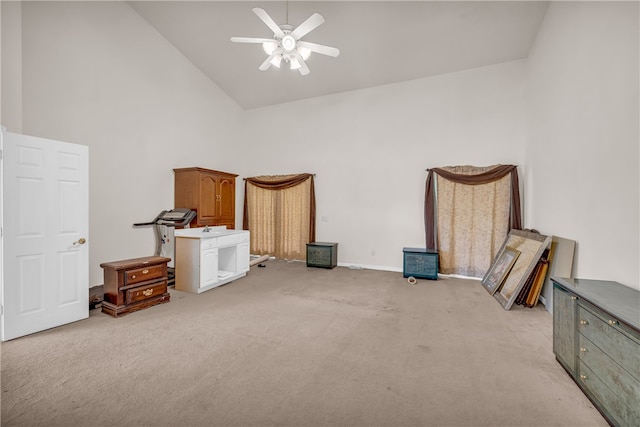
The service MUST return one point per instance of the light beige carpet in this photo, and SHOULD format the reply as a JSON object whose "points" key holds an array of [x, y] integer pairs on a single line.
{"points": [[295, 346]]}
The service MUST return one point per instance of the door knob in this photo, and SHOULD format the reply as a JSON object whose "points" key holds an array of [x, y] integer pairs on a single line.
{"points": [[80, 241]]}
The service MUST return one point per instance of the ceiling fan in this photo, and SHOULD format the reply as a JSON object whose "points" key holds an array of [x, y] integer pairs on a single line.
{"points": [[286, 44]]}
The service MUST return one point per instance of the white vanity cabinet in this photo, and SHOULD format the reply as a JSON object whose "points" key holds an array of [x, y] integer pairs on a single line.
{"points": [[209, 257]]}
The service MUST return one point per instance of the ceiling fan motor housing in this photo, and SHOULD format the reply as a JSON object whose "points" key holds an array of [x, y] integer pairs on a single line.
{"points": [[288, 42]]}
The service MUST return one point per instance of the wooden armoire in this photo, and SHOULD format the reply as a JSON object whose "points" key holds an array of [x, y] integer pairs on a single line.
{"points": [[211, 193]]}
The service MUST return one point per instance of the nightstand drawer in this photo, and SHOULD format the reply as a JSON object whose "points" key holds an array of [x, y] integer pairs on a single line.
{"points": [[145, 273], [145, 292]]}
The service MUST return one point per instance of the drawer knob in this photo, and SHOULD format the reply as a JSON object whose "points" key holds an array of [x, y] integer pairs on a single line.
{"points": [[584, 322], [614, 322], [583, 350], [147, 292], [133, 277], [145, 271], [583, 377]]}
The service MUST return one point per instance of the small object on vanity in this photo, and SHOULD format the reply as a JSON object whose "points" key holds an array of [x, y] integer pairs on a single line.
{"points": [[322, 254], [420, 263], [134, 284]]}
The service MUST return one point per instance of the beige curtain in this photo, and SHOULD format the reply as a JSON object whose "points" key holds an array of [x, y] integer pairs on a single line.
{"points": [[280, 214], [472, 221]]}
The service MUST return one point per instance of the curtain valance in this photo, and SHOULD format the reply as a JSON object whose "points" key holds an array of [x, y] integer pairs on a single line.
{"points": [[491, 175], [278, 182]]}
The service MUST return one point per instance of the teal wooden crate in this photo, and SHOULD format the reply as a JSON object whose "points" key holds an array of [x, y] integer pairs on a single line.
{"points": [[321, 254], [420, 263]]}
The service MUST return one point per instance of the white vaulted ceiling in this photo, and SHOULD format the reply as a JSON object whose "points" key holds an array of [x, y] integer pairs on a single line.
{"points": [[380, 42]]}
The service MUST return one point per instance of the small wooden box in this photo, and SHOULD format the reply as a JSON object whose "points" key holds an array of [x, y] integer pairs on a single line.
{"points": [[323, 255], [420, 263]]}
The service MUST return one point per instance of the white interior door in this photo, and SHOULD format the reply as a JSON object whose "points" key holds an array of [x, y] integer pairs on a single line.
{"points": [[45, 280]]}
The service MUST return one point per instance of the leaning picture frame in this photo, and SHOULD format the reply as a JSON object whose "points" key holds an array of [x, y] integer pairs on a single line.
{"points": [[531, 246], [500, 269]]}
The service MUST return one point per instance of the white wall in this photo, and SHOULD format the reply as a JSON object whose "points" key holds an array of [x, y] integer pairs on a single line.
{"points": [[369, 150], [11, 66], [95, 73], [582, 154]]}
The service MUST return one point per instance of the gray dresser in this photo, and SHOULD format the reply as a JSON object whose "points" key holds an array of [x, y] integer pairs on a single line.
{"points": [[596, 338]]}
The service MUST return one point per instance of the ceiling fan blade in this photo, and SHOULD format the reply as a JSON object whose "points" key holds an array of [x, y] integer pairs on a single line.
{"points": [[304, 69], [262, 14], [266, 64], [312, 22], [250, 40], [319, 48]]}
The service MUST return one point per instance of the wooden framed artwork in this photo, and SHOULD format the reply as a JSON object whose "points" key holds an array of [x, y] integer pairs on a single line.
{"points": [[500, 269], [531, 246]]}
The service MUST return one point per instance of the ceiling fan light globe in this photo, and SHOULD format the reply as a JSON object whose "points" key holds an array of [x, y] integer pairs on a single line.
{"points": [[305, 52], [295, 64], [288, 42], [269, 47], [275, 61]]}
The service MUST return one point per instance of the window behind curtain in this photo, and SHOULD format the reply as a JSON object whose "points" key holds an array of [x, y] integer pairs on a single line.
{"points": [[279, 219], [472, 221]]}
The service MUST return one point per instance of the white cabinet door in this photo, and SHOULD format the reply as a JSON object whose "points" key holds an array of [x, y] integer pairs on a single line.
{"points": [[45, 225], [243, 257], [208, 267]]}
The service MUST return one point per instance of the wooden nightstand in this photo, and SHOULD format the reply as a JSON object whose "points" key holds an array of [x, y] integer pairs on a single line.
{"points": [[134, 284]]}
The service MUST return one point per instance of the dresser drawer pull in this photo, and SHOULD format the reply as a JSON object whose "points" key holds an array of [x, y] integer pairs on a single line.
{"points": [[133, 277], [583, 350], [145, 271], [147, 292], [614, 322], [584, 322], [583, 377]]}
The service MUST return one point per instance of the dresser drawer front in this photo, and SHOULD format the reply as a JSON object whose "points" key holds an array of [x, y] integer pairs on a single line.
{"points": [[620, 346], [146, 273], [146, 292], [615, 408], [619, 381]]}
